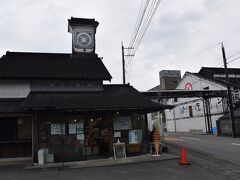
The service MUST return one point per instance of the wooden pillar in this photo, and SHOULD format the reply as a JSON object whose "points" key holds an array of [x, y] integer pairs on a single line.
{"points": [[35, 142], [146, 136]]}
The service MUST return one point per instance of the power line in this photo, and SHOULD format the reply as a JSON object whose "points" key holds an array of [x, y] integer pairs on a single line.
{"points": [[146, 12], [238, 52], [233, 60], [204, 50], [148, 19], [234, 54], [145, 21], [138, 22]]}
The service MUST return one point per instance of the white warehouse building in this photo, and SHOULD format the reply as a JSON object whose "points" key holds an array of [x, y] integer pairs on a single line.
{"points": [[189, 114]]}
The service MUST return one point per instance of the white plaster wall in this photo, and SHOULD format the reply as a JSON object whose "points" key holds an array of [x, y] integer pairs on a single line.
{"points": [[184, 122], [170, 126], [14, 89], [186, 125]]}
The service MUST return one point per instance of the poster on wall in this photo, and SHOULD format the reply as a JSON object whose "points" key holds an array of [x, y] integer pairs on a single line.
{"points": [[57, 129], [72, 128], [80, 136], [135, 136], [80, 127], [122, 123]]}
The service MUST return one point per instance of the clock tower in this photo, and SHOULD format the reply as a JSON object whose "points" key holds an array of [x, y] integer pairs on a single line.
{"points": [[83, 36]]}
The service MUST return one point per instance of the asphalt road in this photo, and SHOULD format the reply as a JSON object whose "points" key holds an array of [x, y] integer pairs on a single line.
{"points": [[202, 156], [159, 170], [225, 148]]}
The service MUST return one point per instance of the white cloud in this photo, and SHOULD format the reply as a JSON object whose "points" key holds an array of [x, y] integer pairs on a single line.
{"points": [[179, 30]]}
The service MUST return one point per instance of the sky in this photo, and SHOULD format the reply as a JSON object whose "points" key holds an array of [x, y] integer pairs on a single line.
{"points": [[183, 35]]}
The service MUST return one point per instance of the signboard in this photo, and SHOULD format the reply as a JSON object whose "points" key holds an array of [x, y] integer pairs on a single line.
{"points": [[188, 86], [122, 123], [135, 136], [57, 129], [119, 150]]}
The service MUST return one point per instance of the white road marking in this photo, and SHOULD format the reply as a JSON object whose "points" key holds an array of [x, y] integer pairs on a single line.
{"points": [[190, 138], [172, 139], [235, 144]]}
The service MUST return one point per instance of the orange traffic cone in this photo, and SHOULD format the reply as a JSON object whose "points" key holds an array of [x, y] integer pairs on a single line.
{"points": [[184, 160]]}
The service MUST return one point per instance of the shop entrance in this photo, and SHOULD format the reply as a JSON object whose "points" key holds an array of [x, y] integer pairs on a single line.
{"points": [[62, 137], [75, 138], [98, 138], [15, 137]]}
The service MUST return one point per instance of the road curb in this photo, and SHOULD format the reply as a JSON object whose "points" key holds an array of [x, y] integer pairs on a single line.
{"points": [[106, 162]]}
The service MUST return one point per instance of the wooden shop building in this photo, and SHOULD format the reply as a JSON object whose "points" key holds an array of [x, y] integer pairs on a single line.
{"points": [[59, 103]]}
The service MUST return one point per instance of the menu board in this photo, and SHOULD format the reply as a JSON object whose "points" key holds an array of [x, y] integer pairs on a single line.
{"points": [[119, 150], [122, 123]]}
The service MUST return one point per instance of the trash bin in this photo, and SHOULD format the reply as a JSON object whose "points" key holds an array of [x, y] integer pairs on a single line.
{"points": [[41, 156]]}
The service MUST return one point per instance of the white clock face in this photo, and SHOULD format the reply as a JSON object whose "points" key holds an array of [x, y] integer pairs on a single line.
{"points": [[83, 40]]}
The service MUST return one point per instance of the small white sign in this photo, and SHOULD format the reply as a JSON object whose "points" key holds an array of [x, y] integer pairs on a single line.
{"points": [[117, 134], [57, 129], [80, 136]]}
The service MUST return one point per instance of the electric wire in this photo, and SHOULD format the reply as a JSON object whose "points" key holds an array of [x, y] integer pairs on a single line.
{"points": [[152, 11], [139, 22], [136, 25], [234, 54], [238, 52], [142, 30], [146, 12], [145, 24]]}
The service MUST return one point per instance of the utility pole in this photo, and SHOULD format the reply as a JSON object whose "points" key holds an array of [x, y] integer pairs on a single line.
{"points": [[123, 62], [231, 111]]}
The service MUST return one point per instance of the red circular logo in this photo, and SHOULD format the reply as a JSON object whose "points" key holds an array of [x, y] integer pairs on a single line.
{"points": [[188, 86]]}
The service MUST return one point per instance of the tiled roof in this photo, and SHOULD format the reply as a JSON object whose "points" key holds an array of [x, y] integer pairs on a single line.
{"points": [[15, 65], [212, 74], [215, 70], [113, 98], [79, 21]]}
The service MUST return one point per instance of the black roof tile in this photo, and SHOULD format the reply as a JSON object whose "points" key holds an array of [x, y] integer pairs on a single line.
{"points": [[114, 97], [209, 72], [80, 21], [24, 65]]}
